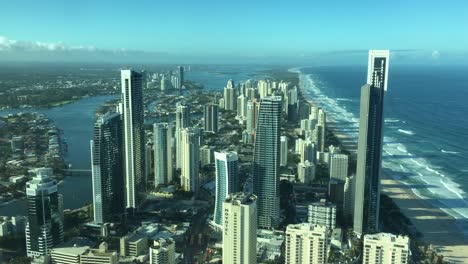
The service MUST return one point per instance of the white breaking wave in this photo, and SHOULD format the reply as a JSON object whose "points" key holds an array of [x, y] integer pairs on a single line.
{"points": [[397, 161], [344, 99], [449, 152], [391, 120], [407, 132]]}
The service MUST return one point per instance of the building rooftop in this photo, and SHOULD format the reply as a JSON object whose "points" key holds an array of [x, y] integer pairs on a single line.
{"points": [[387, 237], [241, 198]]}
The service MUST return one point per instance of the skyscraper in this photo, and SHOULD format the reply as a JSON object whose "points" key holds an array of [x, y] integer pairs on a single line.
{"points": [[190, 147], [162, 145], [240, 229], [320, 127], [180, 71], [183, 120], [241, 107], [284, 151], [210, 114], [107, 157], [227, 180], [306, 243], [230, 96], [251, 116], [308, 152], [306, 172], [339, 167], [134, 136], [369, 161], [266, 161], [44, 228]]}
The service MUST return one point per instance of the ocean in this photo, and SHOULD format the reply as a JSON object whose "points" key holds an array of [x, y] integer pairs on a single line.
{"points": [[426, 125]]}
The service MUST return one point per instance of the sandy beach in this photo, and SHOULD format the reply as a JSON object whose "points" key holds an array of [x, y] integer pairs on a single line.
{"points": [[437, 227]]}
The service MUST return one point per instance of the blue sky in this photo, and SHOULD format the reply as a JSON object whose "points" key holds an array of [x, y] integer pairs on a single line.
{"points": [[206, 30]]}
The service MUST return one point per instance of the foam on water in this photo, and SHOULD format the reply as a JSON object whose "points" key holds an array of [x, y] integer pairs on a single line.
{"points": [[449, 152], [407, 132], [397, 161]]}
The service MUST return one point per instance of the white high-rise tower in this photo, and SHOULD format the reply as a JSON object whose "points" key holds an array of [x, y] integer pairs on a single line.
{"points": [[134, 136]]}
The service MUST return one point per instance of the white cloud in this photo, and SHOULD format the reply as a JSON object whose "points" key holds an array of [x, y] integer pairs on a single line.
{"points": [[7, 44]]}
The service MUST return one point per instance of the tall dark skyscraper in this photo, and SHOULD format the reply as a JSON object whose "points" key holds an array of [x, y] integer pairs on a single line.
{"points": [[266, 161], [107, 168], [210, 114], [134, 136], [369, 162], [45, 214]]}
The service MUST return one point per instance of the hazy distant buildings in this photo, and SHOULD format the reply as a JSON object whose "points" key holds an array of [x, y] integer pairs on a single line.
{"points": [[240, 229], [190, 156], [210, 114], [162, 145], [107, 157], [227, 181], [134, 136], [306, 243], [369, 161], [266, 161], [322, 213], [284, 151], [385, 248], [44, 228]]}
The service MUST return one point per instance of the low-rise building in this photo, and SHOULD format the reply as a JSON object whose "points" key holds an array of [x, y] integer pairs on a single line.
{"points": [[102, 255], [385, 248]]}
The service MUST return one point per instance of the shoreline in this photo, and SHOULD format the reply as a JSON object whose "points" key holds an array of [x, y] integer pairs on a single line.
{"points": [[437, 227]]}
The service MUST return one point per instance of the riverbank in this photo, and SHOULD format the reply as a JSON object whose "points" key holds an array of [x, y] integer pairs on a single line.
{"points": [[436, 226]]}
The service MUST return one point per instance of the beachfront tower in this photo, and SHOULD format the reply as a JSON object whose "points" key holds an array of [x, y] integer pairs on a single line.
{"points": [[369, 160], [44, 228], [266, 161], [134, 136], [107, 157], [162, 145], [227, 180]]}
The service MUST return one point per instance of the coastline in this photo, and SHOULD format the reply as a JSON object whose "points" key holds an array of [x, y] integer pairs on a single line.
{"points": [[437, 227]]}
